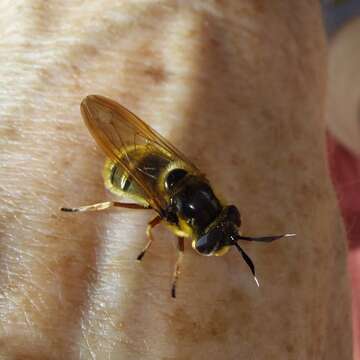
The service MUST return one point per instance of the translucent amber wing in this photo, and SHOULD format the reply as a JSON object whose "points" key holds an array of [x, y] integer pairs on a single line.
{"points": [[116, 130]]}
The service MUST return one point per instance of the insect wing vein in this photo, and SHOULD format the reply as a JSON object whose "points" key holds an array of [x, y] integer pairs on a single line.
{"points": [[116, 130]]}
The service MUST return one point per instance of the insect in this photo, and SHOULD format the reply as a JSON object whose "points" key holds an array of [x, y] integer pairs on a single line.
{"points": [[146, 168]]}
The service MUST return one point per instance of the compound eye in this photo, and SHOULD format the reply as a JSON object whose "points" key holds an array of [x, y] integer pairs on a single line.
{"points": [[233, 215], [208, 243], [173, 177]]}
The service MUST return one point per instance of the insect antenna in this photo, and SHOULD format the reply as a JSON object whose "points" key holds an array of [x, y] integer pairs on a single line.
{"points": [[260, 239], [263, 238], [248, 261]]}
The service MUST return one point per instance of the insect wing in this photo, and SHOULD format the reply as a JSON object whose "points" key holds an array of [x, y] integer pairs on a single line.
{"points": [[116, 129]]}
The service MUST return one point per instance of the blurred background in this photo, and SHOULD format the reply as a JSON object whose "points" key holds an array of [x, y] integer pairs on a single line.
{"points": [[342, 21]]}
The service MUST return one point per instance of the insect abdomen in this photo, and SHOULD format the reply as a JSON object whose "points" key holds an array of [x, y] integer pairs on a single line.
{"points": [[151, 165]]}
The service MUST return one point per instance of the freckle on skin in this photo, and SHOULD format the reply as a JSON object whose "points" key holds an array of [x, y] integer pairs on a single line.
{"points": [[89, 50], [289, 348], [75, 69], [10, 133], [156, 73], [259, 6]]}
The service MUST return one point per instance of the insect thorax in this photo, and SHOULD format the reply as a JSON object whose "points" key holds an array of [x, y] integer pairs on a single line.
{"points": [[195, 203]]}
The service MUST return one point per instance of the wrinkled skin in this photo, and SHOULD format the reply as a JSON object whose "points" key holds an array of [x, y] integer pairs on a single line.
{"points": [[239, 87]]}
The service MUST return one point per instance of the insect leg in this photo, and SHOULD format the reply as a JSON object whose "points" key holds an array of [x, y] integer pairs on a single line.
{"points": [[103, 206], [155, 221], [177, 266]]}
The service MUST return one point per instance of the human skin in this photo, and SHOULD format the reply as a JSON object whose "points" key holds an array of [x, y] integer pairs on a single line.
{"points": [[236, 85]]}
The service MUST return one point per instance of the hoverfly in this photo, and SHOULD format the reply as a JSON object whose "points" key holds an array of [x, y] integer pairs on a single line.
{"points": [[146, 168]]}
